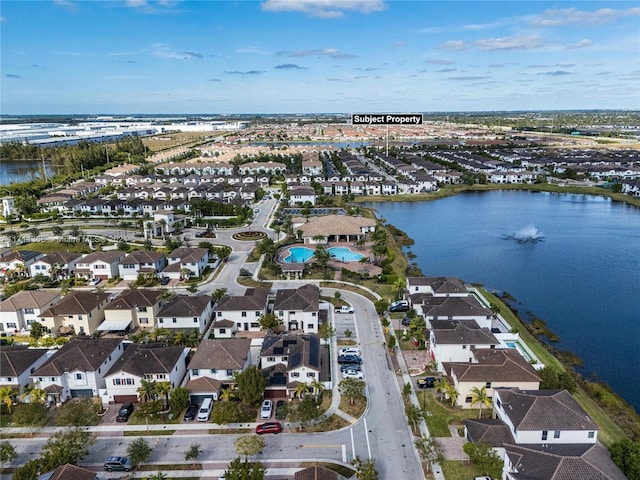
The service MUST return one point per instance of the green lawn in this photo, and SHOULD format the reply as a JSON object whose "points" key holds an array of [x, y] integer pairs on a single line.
{"points": [[442, 415]]}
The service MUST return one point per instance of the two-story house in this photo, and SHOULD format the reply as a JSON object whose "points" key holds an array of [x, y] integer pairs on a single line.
{"points": [[132, 309], [17, 264], [288, 360], [102, 265], [214, 365], [187, 262], [454, 340], [56, 265], [244, 310], [298, 308], [491, 369], [141, 262], [78, 311], [22, 308], [186, 313], [78, 368], [18, 362], [150, 362]]}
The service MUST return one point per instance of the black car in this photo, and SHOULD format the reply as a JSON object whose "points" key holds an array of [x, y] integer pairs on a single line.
{"points": [[190, 414], [350, 366], [125, 412], [426, 382], [342, 359], [406, 321], [164, 280]]}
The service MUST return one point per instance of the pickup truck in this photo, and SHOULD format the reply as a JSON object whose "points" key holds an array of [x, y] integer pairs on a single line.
{"points": [[344, 309]]}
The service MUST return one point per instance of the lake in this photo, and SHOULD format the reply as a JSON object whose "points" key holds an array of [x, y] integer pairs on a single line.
{"points": [[581, 276], [20, 171]]}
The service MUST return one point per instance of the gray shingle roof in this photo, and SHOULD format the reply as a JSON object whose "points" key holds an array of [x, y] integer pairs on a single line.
{"points": [[461, 333], [81, 354], [494, 365], [129, 299], [15, 359], [305, 298], [229, 354], [185, 306], [253, 299], [141, 359], [76, 302]]}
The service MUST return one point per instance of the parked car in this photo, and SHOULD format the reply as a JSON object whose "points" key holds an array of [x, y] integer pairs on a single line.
{"points": [[164, 280], [95, 281], [190, 414], [427, 382], [350, 366], [399, 306], [349, 351], [358, 375], [344, 309], [118, 464], [266, 409], [406, 321], [125, 412], [269, 427], [349, 359], [483, 477]]}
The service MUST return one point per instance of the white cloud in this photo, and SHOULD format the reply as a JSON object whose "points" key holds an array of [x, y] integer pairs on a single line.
{"points": [[65, 4], [573, 16], [324, 8], [585, 42], [454, 45], [161, 50], [440, 61], [510, 43], [325, 52]]}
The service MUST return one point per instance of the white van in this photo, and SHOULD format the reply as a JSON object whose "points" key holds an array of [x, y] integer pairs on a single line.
{"points": [[205, 410]]}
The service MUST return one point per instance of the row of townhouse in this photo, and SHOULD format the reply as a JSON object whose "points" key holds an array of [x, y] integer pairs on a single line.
{"points": [[540, 434], [113, 369], [180, 263]]}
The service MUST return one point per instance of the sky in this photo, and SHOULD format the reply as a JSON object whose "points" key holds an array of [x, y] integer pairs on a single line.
{"points": [[317, 56]]}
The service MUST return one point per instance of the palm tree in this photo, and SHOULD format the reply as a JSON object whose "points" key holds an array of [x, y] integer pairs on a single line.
{"points": [[35, 394], [322, 256], [6, 396], [441, 385], [301, 389], [479, 395], [318, 388], [164, 388], [352, 388], [452, 394], [227, 394], [147, 390]]}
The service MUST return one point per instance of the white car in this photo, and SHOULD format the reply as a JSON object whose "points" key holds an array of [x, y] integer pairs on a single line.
{"points": [[266, 409], [353, 374], [350, 351], [95, 281]]}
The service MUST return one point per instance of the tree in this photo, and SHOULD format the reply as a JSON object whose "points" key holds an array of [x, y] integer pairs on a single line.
{"points": [[441, 385], [157, 476], [270, 322], [429, 450], [30, 415], [193, 452], [452, 394], [626, 455], [365, 470], [67, 446], [318, 388], [147, 390], [251, 384], [7, 453], [414, 415], [479, 395], [218, 293], [179, 398], [301, 389], [29, 471], [322, 257], [163, 389], [249, 445], [239, 470], [139, 451], [77, 412], [485, 458], [306, 410], [326, 331], [37, 330], [7, 395], [227, 394], [352, 388]]}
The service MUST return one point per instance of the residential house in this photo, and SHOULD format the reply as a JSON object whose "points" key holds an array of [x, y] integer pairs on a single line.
{"points": [[316, 472], [244, 310], [132, 309], [141, 262], [78, 368], [289, 360], [17, 263], [454, 340], [79, 311], [299, 195], [69, 471], [150, 362], [214, 365], [468, 308], [102, 265], [491, 369], [223, 328], [18, 362], [186, 313], [55, 265], [437, 286], [298, 308], [187, 262], [22, 308]]}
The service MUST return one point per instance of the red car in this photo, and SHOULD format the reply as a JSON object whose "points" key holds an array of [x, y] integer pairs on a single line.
{"points": [[269, 427]]}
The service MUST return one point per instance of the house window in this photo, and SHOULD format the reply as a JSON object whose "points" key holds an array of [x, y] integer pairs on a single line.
{"points": [[556, 434], [131, 381], [214, 370], [53, 379], [313, 314], [311, 374], [161, 375], [284, 359], [591, 434], [464, 347], [195, 319], [195, 372], [255, 325], [468, 400], [545, 434], [223, 331], [271, 359], [295, 374], [28, 310], [244, 314], [229, 373], [161, 320], [78, 376], [281, 313], [219, 314], [472, 347], [498, 403], [488, 384], [11, 325], [144, 320], [40, 379], [142, 309], [174, 320], [9, 379]]}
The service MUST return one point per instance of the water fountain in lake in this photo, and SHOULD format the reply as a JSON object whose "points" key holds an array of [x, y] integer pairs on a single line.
{"points": [[528, 234]]}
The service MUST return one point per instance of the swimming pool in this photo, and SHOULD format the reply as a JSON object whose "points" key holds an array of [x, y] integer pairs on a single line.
{"points": [[303, 254]]}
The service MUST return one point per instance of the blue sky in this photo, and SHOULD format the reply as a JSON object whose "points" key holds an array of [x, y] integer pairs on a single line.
{"points": [[303, 56]]}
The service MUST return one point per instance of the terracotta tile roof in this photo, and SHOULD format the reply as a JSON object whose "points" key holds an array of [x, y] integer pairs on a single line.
{"points": [[494, 365], [228, 354]]}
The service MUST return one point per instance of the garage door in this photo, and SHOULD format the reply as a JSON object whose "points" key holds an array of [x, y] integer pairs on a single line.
{"points": [[199, 398], [275, 394], [82, 393], [125, 398]]}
